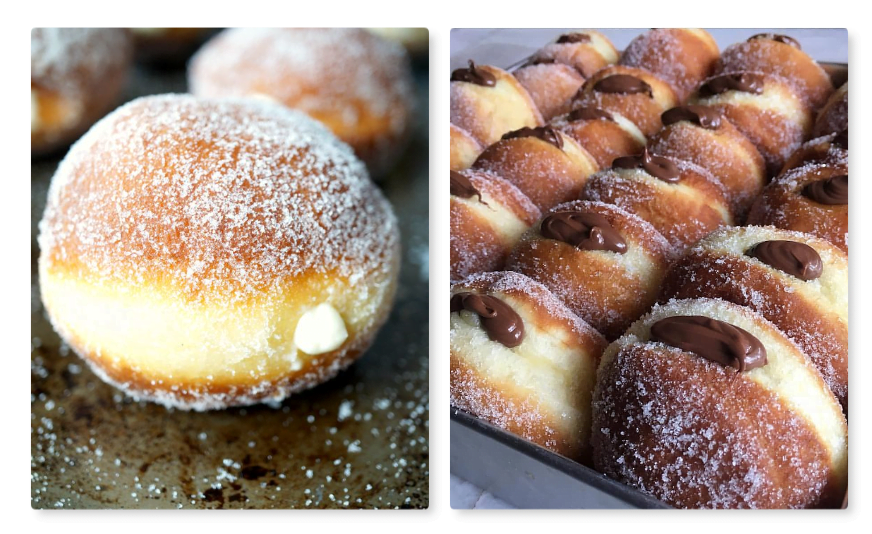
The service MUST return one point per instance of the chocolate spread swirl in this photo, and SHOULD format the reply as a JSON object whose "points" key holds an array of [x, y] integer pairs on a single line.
{"points": [[474, 75], [711, 339], [791, 257], [831, 192], [501, 323], [586, 231], [573, 38], [462, 187], [657, 166], [623, 84], [545, 133], [703, 116], [745, 82], [589, 113], [786, 39]]}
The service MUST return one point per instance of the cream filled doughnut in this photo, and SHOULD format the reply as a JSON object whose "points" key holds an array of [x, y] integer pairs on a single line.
{"points": [[353, 81], [212, 253], [796, 281], [706, 404], [522, 361], [76, 76]]}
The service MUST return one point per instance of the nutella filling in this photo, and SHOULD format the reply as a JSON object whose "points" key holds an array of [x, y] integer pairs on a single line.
{"points": [[791, 257], [573, 38], [711, 339], [501, 323], [744, 82], [624, 84], [831, 192], [657, 166], [545, 133], [586, 231], [474, 75], [462, 187], [703, 116], [589, 113], [786, 39]]}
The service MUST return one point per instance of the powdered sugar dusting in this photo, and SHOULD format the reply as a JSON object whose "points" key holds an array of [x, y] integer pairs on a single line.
{"points": [[60, 56]]}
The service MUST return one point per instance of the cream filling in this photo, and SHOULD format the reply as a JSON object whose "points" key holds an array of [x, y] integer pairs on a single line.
{"points": [[320, 330]]}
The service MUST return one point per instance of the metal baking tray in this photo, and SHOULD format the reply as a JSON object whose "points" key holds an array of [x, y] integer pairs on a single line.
{"points": [[529, 476], [358, 441]]}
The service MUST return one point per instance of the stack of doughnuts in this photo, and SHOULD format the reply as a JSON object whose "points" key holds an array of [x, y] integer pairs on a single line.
{"points": [[668, 148]]}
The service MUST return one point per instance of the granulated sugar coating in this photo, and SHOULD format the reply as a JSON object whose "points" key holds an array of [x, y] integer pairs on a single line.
{"points": [[92, 447]]}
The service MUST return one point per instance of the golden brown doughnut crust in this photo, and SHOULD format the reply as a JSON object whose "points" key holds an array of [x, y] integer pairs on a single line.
{"points": [[783, 205], [481, 237], [683, 212], [697, 434], [464, 149], [548, 175], [489, 112], [802, 310], [606, 289], [585, 57], [643, 110], [833, 117], [605, 140], [682, 57], [551, 86], [780, 59], [507, 407], [825, 150], [724, 151], [356, 83]]}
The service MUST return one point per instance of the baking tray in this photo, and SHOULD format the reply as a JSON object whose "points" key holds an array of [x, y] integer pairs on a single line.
{"points": [[358, 441], [529, 476]]}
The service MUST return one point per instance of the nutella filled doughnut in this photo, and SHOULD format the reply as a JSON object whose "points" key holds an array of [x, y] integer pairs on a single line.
{"points": [[706, 404], [701, 135], [605, 135], [522, 361], [603, 262], [682, 57], [464, 149], [551, 86], [586, 51], [354, 82], [211, 253], [683, 201], [76, 77], [488, 217], [630, 92], [544, 163], [487, 102], [830, 149], [796, 281]]}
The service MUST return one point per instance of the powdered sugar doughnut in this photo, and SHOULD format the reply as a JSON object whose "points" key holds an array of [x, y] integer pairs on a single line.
{"points": [[706, 422], [355, 82], [551, 86], [204, 254], [76, 76], [587, 51]]}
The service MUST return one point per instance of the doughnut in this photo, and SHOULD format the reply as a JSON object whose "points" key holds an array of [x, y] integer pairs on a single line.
{"points": [[76, 77], [544, 163], [522, 361], [603, 262], [779, 55], [833, 117], [587, 51], [357, 84], [205, 253], [796, 281], [706, 404], [681, 200], [830, 149], [488, 217], [605, 135], [487, 102], [812, 198], [682, 57], [464, 149], [551, 86], [702, 136], [765, 108], [167, 47], [630, 92]]}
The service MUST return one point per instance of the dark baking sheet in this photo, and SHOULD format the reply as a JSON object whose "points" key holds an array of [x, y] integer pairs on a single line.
{"points": [[529, 476], [358, 441]]}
